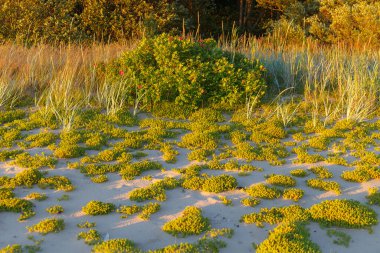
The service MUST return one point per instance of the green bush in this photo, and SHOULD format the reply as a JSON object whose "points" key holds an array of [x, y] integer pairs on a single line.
{"points": [[189, 73], [9, 154], [214, 184], [149, 209], [320, 184], [86, 224], [90, 237], [207, 115], [26, 160], [361, 174], [304, 157], [68, 151], [128, 210], [57, 209], [276, 215], [293, 194], [252, 202], [288, 238], [16, 205], [6, 193], [42, 139], [130, 171], [14, 248], [191, 222], [321, 172], [59, 183], [49, 225], [11, 115], [281, 180], [343, 213], [98, 208], [298, 173], [37, 196], [99, 179], [115, 246], [263, 191], [28, 177]]}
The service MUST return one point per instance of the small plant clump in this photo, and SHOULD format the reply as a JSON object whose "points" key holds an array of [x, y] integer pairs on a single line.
{"points": [[57, 209], [86, 224], [50, 225], [130, 171], [91, 237], [115, 246], [341, 238], [281, 180], [321, 172], [98, 208], [191, 222], [16, 205], [299, 173], [25, 160], [37, 196], [149, 209], [263, 191], [214, 184], [252, 202], [320, 184], [99, 179], [343, 213], [294, 194]]}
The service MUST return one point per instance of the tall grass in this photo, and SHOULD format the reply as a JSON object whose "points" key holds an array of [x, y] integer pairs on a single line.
{"points": [[337, 82]]}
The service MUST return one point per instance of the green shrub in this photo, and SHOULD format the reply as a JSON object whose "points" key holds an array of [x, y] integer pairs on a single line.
{"points": [[95, 141], [207, 115], [298, 173], [28, 177], [90, 237], [199, 140], [276, 215], [321, 172], [199, 155], [208, 75], [304, 157], [191, 222], [42, 139], [99, 179], [373, 197], [320, 184], [293, 194], [6, 193], [115, 246], [336, 159], [214, 184], [343, 213], [9, 137], [98, 208], [16, 205], [11, 115], [86, 224], [57, 209], [288, 238], [263, 191], [361, 174], [130, 171], [68, 151], [281, 180], [225, 200], [9, 154], [37, 196], [319, 142], [252, 202], [59, 183], [149, 209], [49, 225], [169, 153], [25, 160], [128, 210], [14, 248]]}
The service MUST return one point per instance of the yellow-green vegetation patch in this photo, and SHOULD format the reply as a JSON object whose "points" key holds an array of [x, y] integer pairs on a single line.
{"points": [[116, 246], [207, 114], [59, 183], [343, 213], [56, 209], [99, 179], [321, 172], [226, 201], [91, 237], [281, 180], [9, 154], [86, 224], [319, 142], [373, 196], [191, 222], [128, 210], [341, 238], [276, 215], [154, 191], [11, 115], [214, 184], [169, 154], [252, 202], [28, 177], [37, 196], [263, 191], [17, 205], [46, 226], [42, 139], [304, 157], [324, 185], [299, 173], [130, 171], [361, 174], [26, 160], [294, 194], [289, 238], [98, 208], [149, 209], [336, 159], [6, 193]]}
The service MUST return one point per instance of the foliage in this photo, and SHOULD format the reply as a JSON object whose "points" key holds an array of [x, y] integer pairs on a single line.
{"points": [[191, 222], [59, 183], [49, 225], [57, 209], [263, 191], [320, 184], [321, 172], [129, 171], [16, 205], [90, 237], [341, 237], [188, 72], [25, 160], [252, 202], [281, 180], [343, 213], [99, 179], [298, 173], [289, 238], [294, 194], [361, 174], [115, 246], [214, 184], [98, 208], [149, 209], [6, 193], [28, 177], [86, 224]]}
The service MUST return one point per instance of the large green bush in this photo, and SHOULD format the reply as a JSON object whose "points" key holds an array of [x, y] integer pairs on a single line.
{"points": [[188, 72]]}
